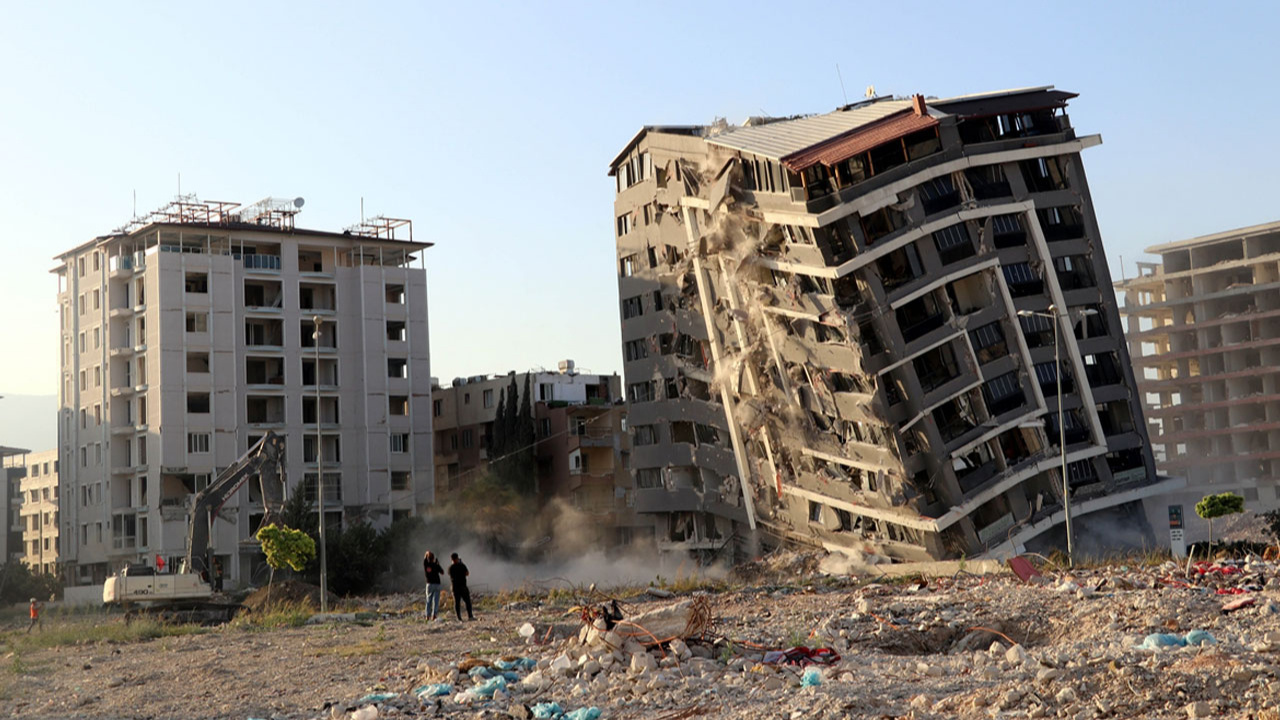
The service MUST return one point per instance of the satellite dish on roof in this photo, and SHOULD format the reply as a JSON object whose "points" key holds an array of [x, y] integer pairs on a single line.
{"points": [[299, 202], [871, 91]]}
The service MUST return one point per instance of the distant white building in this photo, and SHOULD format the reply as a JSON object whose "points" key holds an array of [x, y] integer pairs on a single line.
{"points": [[188, 334]]}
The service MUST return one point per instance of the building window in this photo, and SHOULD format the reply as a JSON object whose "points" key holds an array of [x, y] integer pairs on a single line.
{"points": [[647, 478], [97, 338], [437, 408], [197, 323], [488, 398], [82, 344], [625, 224], [400, 479], [198, 402], [197, 442], [628, 265], [400, 443], [644, 435], [197, 283], [397, 368], [815, 512], [468, 438], [632, 307], [466, 398], [640, 392], [97, 299], [545, 429], [97, 376], [399, 404], [635, 350]]}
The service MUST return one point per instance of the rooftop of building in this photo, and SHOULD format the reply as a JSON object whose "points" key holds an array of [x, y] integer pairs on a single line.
{"points": [[783, 138], [1225, 236], [270, 215]]}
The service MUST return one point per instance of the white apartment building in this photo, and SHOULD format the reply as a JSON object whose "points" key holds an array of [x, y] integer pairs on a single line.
{"points": [[38, 516], [188, 334]]}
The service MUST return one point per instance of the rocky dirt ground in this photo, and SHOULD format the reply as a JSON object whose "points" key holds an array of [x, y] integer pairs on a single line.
{"points": [[960, 646]]}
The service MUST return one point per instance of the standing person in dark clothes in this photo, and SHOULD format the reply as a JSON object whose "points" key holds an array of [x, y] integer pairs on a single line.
{"points": [[458, 576], [431, 567]]}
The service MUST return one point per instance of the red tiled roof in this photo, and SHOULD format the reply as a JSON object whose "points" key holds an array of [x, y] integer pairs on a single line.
{"points": [[858, 141]]}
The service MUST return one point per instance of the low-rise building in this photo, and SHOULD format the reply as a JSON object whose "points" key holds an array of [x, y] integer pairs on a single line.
{"points": [[580, 445]]}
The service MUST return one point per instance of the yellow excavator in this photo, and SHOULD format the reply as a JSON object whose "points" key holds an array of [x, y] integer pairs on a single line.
{"points": [[187, 595]]}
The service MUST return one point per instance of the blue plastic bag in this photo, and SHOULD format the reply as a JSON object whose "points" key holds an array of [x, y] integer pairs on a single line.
{"points": [[436, 690], [490, 686], [547, 711], [376, 698], [587, 713], [811, 678]]}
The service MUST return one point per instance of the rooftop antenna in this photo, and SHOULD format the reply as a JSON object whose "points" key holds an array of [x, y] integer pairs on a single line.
{"points": [[842, 92], [179, 184], [135, 202], [361, 208], [871, 91]]}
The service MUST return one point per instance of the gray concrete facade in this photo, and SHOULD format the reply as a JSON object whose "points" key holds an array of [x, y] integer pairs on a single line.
{"points": [[843, 307]]}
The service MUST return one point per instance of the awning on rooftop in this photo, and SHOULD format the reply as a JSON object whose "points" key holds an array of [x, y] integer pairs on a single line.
{"points": [[843, 147]]}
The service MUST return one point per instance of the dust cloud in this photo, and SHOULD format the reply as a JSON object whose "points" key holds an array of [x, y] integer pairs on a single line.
{"points": [[555, 546]]}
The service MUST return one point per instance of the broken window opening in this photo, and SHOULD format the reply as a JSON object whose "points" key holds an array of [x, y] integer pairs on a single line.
{"points": [[936, 367], [1075, 272], [844, 520], [641, 391], [636, 349], [1045, 174], [920, 317], [882, 223], [988, 182], [1061, 223], [648, 478], [900, 267], [632, 307], [628, 265]]}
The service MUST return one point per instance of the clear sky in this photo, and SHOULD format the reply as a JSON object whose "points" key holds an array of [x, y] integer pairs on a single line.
{"points": [[491, 125]]}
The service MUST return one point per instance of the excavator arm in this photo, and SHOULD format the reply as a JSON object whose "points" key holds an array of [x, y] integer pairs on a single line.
{"points": [[266, 460]]}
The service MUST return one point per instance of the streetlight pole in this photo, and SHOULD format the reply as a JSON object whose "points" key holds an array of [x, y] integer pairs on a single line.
{"points": [[315, 377], [1062, 431]]}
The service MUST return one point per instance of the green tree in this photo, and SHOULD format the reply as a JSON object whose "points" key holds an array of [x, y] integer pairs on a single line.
{"points": [[357, 555], [1215, 506], [286, 547]]}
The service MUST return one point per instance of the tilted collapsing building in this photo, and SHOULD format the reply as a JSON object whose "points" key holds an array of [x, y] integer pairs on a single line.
{"points": [[840, 329]]}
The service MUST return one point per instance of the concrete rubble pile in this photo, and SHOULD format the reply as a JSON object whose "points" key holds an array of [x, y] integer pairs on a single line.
{"points": [[1110, 641]]}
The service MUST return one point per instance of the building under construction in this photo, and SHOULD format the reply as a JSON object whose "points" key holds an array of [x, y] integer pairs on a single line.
{"points": [[1204, 333], [839, 330]]}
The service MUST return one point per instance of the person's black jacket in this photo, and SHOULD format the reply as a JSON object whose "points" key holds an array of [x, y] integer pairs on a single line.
{"points": [[458, 575], [433, 571]]}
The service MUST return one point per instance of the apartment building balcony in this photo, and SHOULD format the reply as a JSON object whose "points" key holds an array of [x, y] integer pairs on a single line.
{"points": [[128, 469], [127, 390], [256, 263], [126, 429]]}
